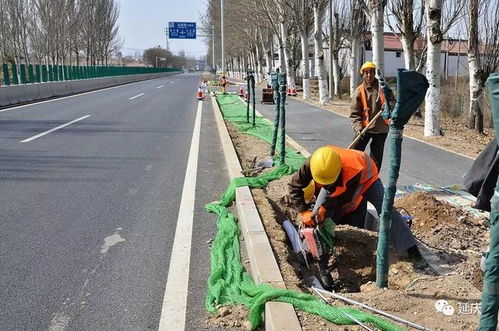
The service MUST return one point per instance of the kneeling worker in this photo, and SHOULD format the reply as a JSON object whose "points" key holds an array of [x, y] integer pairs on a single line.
{"points": [[351, 179]]}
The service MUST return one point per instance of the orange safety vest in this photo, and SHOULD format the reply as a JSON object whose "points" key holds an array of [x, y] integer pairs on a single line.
{"points": [[365, 106], [354, 162]]}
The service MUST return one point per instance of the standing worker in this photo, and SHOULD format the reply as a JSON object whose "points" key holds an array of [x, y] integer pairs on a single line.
{"points": [[351, 179], [224, 83], [367, 100]]}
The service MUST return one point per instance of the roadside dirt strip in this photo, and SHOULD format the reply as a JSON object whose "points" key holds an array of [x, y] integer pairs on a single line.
{"points": [[264, 268], [412, 294]]}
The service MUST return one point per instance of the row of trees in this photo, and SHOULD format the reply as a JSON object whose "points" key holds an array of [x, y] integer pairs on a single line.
{"points": [[59, 31], [254, 33], [160, 57]]}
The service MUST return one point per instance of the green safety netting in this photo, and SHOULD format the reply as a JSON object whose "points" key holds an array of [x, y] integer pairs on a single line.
{"points": [[490, 293], [229, 283]]}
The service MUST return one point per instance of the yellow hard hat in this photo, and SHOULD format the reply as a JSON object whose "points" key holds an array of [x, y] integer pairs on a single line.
{"points": [[325, 165], [308, 192], [367, 65]]}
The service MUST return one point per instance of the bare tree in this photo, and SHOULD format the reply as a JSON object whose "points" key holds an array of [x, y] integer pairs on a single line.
{"points": [[374, 10], [483, 55], [408, 21], [319, 7], [357, 28]]}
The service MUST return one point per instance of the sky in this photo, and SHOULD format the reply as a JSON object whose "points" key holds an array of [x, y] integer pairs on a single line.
{"points": [[142, 25]]}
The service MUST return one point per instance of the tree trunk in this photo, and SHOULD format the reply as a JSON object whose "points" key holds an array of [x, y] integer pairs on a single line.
{"points": [[282, 62], [336, 75], [319, 58], [290, 70], [304, 65], [267, 49], [408, 47], [377, 23], [432, 101], [477, 83], [354, 64]]}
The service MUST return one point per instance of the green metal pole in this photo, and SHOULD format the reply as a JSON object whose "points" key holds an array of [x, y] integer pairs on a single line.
{"points": [[253, 97], [31, 74], [412, 88], [15, 79], [277, 101], [6, 76], [248, 88], [282, 91], [490, 292]]}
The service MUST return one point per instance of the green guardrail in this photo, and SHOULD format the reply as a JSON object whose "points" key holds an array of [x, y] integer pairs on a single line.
{"points": [[14, 74]]}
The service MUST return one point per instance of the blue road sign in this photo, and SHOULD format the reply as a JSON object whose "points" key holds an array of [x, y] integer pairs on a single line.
{"points": [[182, 30]]}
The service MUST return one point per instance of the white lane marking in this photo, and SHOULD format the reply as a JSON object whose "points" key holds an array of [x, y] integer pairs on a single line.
{"points": [[60, 322], [76, 95], [54, 129], [160, 86], [175, 299], [136, 96]]}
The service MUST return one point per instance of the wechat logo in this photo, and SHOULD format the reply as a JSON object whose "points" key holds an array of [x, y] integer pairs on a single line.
{"points": [[442, 306]]}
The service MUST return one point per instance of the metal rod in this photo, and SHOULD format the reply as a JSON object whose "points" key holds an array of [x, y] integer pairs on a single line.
{"points": [[213, 48], [377, 311], [343, 312]]}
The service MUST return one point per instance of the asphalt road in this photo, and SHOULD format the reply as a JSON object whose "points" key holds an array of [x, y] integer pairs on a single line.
{"points": [[89, 211], [313, 127]]}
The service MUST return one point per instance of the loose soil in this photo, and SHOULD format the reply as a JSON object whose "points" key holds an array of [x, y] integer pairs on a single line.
{"points": [[411, 295]]}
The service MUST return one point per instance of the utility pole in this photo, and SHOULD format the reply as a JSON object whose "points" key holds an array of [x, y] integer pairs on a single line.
{"points": [[213, 48], [222, 28], [331, 49]]}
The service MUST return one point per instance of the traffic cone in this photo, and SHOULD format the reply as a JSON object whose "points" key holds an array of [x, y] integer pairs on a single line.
{"points": [[288, 91], [241, 92], [293, 91], [246, 96], [200, 94]]}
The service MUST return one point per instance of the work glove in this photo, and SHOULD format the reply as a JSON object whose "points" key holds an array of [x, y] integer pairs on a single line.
{"points": [[307, 218]]}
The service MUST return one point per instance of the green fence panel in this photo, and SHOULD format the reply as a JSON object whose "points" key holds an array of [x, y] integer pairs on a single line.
{"points": [[51, 73], [55, 73], [38, 74], [22, 70], [59, 73], [44, 73], [31, 74], [6, 76], [15, 79]]}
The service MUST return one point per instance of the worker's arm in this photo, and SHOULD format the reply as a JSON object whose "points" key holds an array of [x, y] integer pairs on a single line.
{"points": [[356, 111], [298, 182]]}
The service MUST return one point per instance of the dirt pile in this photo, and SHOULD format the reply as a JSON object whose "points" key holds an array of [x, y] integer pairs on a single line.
{"points": [[454, 235]]}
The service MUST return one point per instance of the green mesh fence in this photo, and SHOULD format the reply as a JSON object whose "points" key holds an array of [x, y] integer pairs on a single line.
{"points": [[229, 283]]}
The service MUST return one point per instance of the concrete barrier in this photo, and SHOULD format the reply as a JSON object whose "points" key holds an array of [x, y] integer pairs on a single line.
{"points": [[16, 94], [11, 95], [4, 97], [44, 90]]}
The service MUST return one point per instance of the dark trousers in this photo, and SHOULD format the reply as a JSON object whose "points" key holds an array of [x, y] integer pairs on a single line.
{"points": [[401, 236], [377, 146]]}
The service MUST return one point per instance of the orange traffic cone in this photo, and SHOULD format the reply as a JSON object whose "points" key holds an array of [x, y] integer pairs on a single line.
{"points": [[293, 91], [246, 96], [200, 94], [241, 92]]}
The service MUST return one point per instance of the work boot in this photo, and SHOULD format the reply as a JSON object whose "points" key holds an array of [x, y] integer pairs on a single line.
{"points": [[416, 258]]}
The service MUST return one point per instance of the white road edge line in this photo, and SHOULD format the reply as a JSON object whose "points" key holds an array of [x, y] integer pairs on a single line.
{"points": [[160, 86], [77, 95], [54, 129], [136, 96], [175, 299]]}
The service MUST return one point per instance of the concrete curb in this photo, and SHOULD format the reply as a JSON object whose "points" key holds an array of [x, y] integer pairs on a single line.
{"points": [[264, 268]]}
